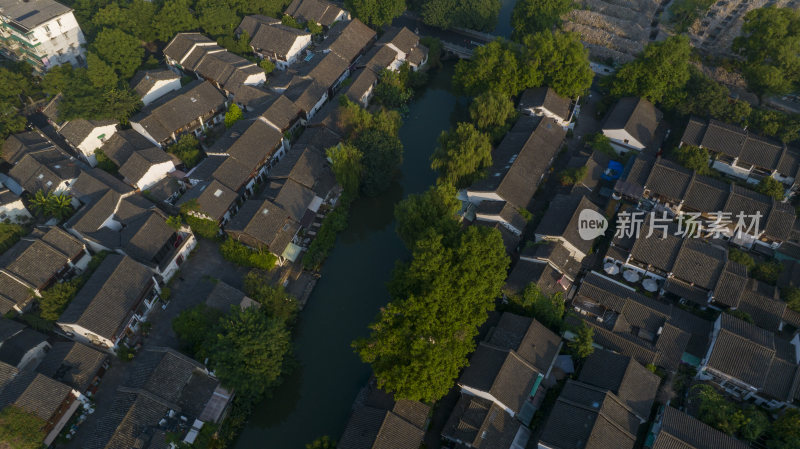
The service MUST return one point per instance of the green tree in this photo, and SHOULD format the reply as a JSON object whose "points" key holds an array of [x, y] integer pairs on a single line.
{"points": [[693, 157], [785, 431], [391, 91], [432, 211], [322, 443], [195, 327], [494, 67], [685, 12], [119, 104], [791, 295], [769, 42], [771, 187], [743, 258], [462, 154], [659, 74], [768, 271], [121, 51], [187, 149], [275, 301], [347, 167], [756, 423], [383, 154], [572, 176], [56, 298], [547, 309], [174, 17], [20, 429], [376, 12], [492, 113], [267, 65], [582, 344], [233, 115], [562, 60], [291, 22], [217, 18], [250, 351], [421, 340], [478, 15], [100, 74], [533, 16]]}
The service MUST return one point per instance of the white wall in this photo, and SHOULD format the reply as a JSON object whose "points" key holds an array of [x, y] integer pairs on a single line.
{"points": [[154, 174], [59, 34], [93, 141], [619, 136], [161, 88], [300, 44], [140, 129]]}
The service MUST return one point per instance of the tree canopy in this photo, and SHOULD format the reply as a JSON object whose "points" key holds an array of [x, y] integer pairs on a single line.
{"points": [[657, 74], [769, 42], [693, 157], [533, 16], [347, 167], [547, 309], [376, 12], [249, 351], [121, 51], [493, 67], [492, 113], [478, 15], [421, 340], [432, 211], [771, 187], [462, 154], [562, 60]]}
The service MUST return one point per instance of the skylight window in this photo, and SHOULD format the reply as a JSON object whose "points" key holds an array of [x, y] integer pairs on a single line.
{"points": [[218, 193]]}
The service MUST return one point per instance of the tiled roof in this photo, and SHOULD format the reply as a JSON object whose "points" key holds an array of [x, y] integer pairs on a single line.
{"points": [[348, 39], [681, 431], [637, 116], [37, 260], [35, 393], [44, 170], [319, 11], [251, 23], [179, 108], [521, 159], [591, 417], [547, 279], [276, 39], [77, 130], [213, 198], [699, 262], [554, 224], [545, 97], [144, 80], [481, 424], [530, 339], [223, 297], [634, 385], [731, 283], [32, 13], [14, 349], [501, 373], [73, 363], [129, 423], [18, 145], [742, 350], [556, 254], [266, 222], [282, 113], [363, 81], [669, 179], [140, 162], [109, 296], [401, 37], [8, 328]]}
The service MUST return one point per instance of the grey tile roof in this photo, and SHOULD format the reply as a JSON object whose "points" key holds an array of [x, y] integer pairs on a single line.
{"points": [[183, 43], [545, 97], [177, 109], [327, 69], [634, 385], [294, 198], [681, 431], [144, 80], [18, 145], [530, 339], [349, 39], [505, 211], [305, 93], [668, 179], [553, 223], [140, 162], [256, 145], [32, 13], [363, 81], [119, 147], [637, 116], [656, 251], [501, 373], [276, 39], [38, 259], [44, 170], [319, 11], [77, 130], [480, 424], [13, 294], [731, 284], [308, 167], [706, 194], [265, 222], [521, 159], [251, 23], [556, 254], [35, 393], [401, 37], [213, 198], [590, 417], [130, 422], [223, 297], [742, 350], [699, 262], [72, 363], [109, 296], [282, 113], [549, 280], [378, 58]]}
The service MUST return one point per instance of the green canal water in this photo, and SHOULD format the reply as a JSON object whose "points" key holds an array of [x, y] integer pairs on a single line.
{"points": [[317, 399]]}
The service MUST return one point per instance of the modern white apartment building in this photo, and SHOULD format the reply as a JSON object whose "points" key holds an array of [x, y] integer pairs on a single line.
{"points": [[43, 33]]}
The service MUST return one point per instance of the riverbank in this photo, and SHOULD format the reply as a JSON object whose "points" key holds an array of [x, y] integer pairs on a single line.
{"points": [[316, 400]]}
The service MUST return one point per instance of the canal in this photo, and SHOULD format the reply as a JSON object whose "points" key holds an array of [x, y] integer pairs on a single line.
{"points": [[316, 400], [503, 27]]}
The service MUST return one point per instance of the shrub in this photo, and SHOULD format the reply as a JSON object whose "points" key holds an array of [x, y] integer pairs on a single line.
{"points": [[9, 235], [267, 65], [104, 163], [233, 115], [742, 258], [273, 299], [235, 252], [572, 176], [602, 144], [187, 150], [202, 226], [768, 271]]}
